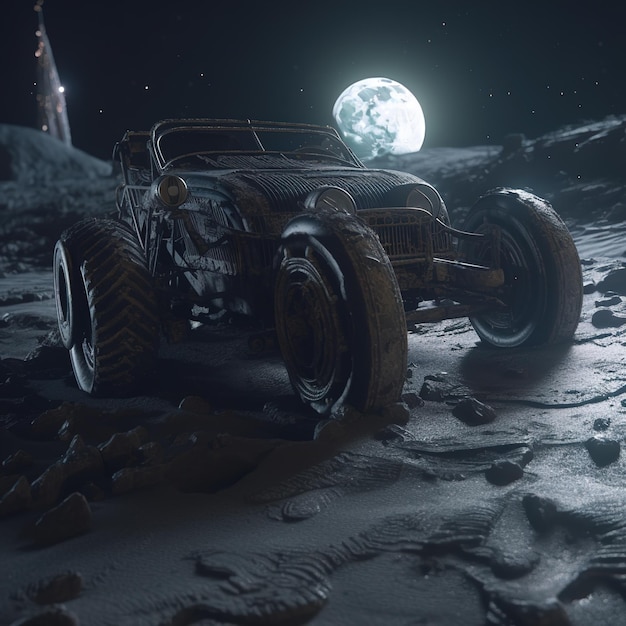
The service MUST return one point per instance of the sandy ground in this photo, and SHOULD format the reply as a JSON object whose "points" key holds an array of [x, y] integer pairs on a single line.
{"points": [[214, 499], [260, 514]]}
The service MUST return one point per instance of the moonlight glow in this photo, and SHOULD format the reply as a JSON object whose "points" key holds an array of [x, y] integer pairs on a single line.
{"points": [[380, 116]]}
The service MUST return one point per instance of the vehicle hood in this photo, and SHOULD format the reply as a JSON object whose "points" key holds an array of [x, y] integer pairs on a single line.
{"points": [[282, 191]]}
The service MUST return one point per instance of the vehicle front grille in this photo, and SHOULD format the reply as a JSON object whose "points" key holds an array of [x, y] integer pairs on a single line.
{"points": [[408, 233]]}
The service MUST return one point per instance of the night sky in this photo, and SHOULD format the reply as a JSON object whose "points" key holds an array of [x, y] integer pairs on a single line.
{"points": [[480, 70]]}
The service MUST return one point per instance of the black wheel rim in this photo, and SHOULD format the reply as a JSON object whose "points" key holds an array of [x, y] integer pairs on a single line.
{"points": [[523, 293], [311, 327]]}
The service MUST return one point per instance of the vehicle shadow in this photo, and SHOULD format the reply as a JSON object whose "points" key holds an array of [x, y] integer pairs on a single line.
{"points": [[528, 372]]}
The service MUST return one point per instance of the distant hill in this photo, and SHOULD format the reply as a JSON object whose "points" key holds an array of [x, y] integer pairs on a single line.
{"points": [[580, 169], [29, 156]]}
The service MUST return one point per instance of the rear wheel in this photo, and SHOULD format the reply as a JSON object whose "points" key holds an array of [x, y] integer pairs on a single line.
{"points": [[106, 305], [339, 315], [543, 279]]}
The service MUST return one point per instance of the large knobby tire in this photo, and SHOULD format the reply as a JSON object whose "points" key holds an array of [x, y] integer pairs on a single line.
{"points": [[106, 307], [339, 315], [543, 278]]}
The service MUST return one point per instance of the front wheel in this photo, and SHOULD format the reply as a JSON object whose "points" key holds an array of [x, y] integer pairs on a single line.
{"points": [[543, 278], [106, 306], [339, 316]]}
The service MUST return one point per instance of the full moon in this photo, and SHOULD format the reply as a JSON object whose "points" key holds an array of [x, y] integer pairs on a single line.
{"points": [[380, 116]]}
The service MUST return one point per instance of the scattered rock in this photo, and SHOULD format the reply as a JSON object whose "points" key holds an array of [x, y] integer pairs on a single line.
{"points": [[17, 462], [47, 425], [196, 404], [69, 519], [604, 318], [47, 488], [615, 281], [541, 512], [412, 400], [473, 412], [121, 449], [431, 393], [608, 301], [603, 451], [150, 453], [503, 472], [47, 361], [602, 423], [17, 499], [56, 589], [81, 462]]}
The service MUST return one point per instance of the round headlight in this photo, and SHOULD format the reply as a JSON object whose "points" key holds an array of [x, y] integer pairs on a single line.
{"points": [[417, 198], [420, 196], [330, 197], [170, 190]]}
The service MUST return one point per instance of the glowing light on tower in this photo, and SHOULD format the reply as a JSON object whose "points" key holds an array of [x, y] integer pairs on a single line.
{"points": [[51, 107]]}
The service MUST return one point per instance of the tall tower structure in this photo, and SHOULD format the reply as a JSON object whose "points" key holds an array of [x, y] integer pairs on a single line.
{"points": [[51, 107]]}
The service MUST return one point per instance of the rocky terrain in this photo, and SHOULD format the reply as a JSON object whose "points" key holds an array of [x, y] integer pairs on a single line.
{"points": [[492, 494]]}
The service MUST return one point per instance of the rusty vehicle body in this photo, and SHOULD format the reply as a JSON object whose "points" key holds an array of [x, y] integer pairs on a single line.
{"points": [[280, 223]]}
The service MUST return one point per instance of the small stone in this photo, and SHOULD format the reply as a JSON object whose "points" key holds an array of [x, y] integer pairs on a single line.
{"points": [[56, 589], [603, 451], [44, 358], [473, 412], [412, 400], [70, 518], [608, 301], [196, 404], [603, 423], [503, 472], [151, 453], [121, 448], [604, 318], [615, 281], [541, 512], [431, 393], [17, 499], [17, 461], [48, 424], [81, 462], [47, 488]]}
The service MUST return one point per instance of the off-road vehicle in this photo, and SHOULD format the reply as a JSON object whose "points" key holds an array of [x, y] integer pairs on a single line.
{"points": [[280, 223]]}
